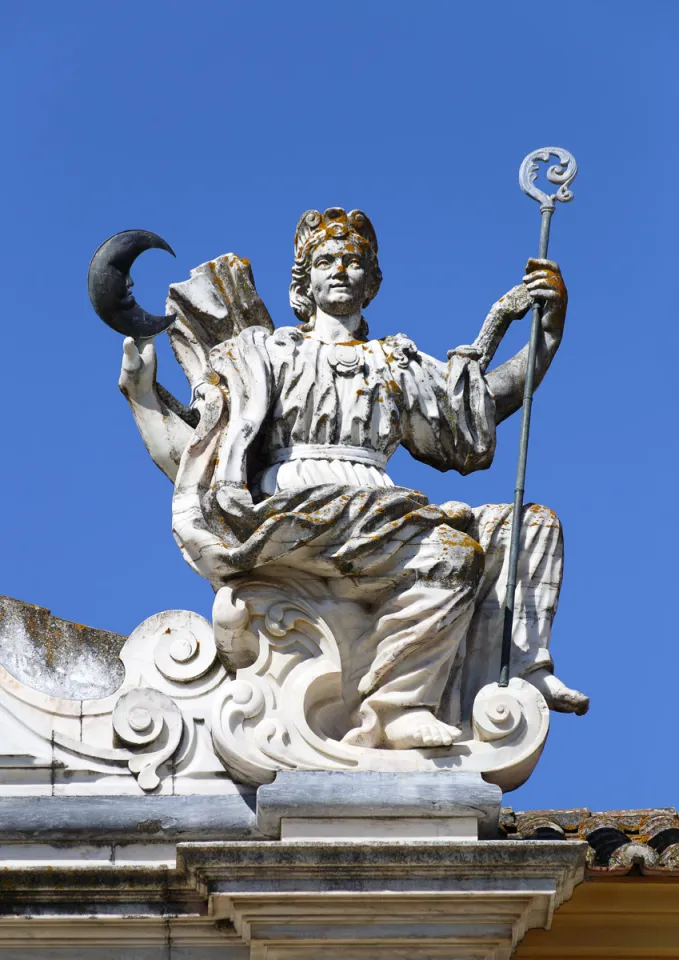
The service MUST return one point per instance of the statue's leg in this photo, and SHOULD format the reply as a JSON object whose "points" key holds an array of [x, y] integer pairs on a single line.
{"points": [[401, 665], [539, 578]]}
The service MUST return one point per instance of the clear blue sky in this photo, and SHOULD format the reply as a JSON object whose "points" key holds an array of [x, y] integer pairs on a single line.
{"points": [[216, 124]]}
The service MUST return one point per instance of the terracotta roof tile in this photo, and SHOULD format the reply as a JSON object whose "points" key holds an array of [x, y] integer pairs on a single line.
{"points": [[621, 842]]}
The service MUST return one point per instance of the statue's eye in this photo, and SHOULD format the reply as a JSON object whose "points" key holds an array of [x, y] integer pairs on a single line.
{"points": [[322, 262], [354, 262]]}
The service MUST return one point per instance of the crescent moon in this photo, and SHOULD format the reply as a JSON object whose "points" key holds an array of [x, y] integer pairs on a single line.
{"points": [[109, 283]]}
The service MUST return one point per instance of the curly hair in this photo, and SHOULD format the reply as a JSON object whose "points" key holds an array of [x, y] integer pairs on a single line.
{"points": [[312, 230]]}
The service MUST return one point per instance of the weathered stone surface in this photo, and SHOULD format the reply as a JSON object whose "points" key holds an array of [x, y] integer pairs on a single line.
{"points": [[317, 794], [58, 657], [435, 899], [103, 819], [289, 900], [151, 735]]}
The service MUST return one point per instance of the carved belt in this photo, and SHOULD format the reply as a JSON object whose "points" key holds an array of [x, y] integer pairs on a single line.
{"points": [[321, 451]]}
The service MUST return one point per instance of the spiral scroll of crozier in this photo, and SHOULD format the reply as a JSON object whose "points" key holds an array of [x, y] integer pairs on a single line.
{"points": [[562, 173], [144, 717]]}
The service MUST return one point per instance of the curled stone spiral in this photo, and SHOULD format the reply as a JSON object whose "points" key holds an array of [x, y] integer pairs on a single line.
{"points": [[562, 173], [185, 652], [144, 717], [496, 714]]}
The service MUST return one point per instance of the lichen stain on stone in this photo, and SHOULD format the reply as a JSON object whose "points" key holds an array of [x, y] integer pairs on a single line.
{"points": [[58, 657], [147, 827]]}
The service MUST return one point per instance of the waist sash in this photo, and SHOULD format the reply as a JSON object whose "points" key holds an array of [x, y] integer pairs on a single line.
{"points": [[322, 451]]}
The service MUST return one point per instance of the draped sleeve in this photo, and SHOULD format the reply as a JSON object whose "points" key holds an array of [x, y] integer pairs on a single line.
{"points": [[449, 409]]}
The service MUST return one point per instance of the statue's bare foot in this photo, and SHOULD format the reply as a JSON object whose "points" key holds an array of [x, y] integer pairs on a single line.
{"points": [[416, 727], [559, 697]]}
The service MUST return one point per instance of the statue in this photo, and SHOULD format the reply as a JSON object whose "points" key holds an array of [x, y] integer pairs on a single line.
{"points": [[281, 489]]}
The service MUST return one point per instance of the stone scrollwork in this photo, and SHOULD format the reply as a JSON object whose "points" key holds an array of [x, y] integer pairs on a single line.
{"points": [[143, 717], [184, 653], [497, 712], [287, 674], [150, 728], [258, 691], [284, 707]]}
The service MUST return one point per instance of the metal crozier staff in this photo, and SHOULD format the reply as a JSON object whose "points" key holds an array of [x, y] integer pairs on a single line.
{"points": [[563, 174]]}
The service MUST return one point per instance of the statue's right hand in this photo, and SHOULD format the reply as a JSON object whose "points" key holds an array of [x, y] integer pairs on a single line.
{"points": [[138, 371]]}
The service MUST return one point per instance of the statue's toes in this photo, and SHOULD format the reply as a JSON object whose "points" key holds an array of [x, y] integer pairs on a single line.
{"points": [[570, 701], [439, 735], [583, 704], [430, 736]]}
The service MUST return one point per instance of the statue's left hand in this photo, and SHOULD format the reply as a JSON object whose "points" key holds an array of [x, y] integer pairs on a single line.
{"points": [[545, 285]]}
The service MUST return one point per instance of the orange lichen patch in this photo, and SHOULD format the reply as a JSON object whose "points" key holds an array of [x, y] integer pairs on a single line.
{"points": [[218, 280], [544, 511]]}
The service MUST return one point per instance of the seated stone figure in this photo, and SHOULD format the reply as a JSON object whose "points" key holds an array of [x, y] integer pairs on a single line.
{"points": [[280, 469]]}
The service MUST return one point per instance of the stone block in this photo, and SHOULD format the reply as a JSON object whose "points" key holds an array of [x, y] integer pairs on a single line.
{"points": [[377, 798]]}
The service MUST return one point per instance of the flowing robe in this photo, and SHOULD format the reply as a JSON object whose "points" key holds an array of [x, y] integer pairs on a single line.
{"points": [[286, 472]]}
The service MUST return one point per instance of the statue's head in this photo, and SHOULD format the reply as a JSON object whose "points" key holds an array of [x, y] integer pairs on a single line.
{"points": [[336, 266]]}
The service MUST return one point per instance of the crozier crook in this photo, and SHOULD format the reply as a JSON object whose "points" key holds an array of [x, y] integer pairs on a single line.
{"points": [[109, 284]]}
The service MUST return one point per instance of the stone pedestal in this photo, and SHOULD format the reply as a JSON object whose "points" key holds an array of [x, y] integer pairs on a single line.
{"points": [[381, 865], [322, 805]]}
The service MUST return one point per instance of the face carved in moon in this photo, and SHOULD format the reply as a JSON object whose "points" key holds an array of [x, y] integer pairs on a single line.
{"points": [[110, 286], [128, 300]]}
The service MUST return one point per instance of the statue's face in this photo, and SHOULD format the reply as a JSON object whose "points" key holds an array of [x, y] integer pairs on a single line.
{"points": [[339, 277]]}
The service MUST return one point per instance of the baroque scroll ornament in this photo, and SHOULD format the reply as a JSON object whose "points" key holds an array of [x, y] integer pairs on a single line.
{"points": [[154, 729], [284, 710]]}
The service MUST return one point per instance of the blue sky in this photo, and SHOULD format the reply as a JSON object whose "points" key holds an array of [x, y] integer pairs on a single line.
{"points": [[216, 125]]}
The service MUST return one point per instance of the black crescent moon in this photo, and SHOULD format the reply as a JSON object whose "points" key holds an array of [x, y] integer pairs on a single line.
{"points": [[109, 282]]}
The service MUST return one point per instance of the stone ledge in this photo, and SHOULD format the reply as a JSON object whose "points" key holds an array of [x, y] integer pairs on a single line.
{"points": [[371, 900], [100, 819]]}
